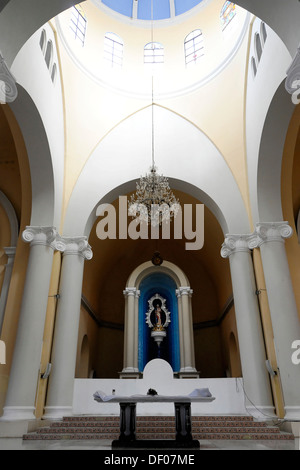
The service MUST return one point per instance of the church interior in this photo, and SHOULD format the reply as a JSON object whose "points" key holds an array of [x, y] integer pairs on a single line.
{"points": [[94, 96]]}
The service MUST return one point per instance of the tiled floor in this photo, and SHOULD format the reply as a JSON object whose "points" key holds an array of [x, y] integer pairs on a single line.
{"points": [[18, 444]]}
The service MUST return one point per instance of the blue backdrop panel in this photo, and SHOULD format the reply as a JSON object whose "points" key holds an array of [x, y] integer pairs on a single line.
{"points": [[161, 284]]}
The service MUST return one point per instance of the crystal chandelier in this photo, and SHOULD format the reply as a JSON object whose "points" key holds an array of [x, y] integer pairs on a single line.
{"points": [[153, 200]]}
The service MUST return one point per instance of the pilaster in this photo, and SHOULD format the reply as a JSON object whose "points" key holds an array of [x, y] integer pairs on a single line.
{"points": [[130, 369]]}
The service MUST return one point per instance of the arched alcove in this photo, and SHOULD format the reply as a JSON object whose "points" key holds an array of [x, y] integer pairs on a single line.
{"points": [[169, 350]]}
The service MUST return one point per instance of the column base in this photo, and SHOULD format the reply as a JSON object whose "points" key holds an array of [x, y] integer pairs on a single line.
{"points": [[57, 412], [188, 373], [18, 413], [262, 413], [130, 373], [292, 413]]}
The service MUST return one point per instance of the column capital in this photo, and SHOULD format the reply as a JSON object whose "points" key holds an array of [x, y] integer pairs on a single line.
{"points": [[292, 82], [74, 246], [8, 87], [184, 291], [269, 232], [10, 251], [235, 243], [46, 236], [131, 291]]}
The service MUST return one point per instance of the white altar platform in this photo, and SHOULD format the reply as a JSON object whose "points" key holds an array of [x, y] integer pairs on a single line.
{"points": [[158, 375]]}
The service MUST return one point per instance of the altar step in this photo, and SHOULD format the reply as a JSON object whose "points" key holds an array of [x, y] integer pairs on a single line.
{"points": [[159, 427]]}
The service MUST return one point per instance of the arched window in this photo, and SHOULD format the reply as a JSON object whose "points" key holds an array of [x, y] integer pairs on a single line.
{"points": [[227, 14], [54, 73], [49, 54], [78, 24], [258, 47], [153, 54], [113, 50], [263, 31], [253, 66], [193, 47], [43, 41]]}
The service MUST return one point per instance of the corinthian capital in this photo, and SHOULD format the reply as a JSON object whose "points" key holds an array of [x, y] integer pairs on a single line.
{"points": [[270, 232], [234, 244], [75, 246], [46, 236], [8, 87]]}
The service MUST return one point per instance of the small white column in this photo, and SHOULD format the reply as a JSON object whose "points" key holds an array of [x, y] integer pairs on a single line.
{"points": [[61, 381], [20, 397], [10, 252], [270, 238], [136, 332], [257, 388], [131, 332], [180, 325], [184, 297]]}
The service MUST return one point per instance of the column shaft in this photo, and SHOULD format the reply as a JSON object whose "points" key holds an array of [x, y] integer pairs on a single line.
{"points": [[20, 398], [61, 380], [251, 343], [187, 330], [131, 331], [283, 309]]}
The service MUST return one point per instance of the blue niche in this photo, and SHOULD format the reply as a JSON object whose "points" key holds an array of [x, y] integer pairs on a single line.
{"points": [[162, 284]]}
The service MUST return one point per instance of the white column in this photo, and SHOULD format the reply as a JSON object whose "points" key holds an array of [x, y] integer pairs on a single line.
{"points": [[136, 328], [180, 325], [20, 398], [131, 331], [257, 388], [61, 381], [270, 238], [184, 294], [10, 252]]}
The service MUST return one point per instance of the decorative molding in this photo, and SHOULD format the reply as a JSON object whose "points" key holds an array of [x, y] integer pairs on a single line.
{"points": [[8, 86], [46, 236], [151, 307], [10, 251], [131, 291], [74, 246], [234, 244], [184, 291], [292, 82], [270, 232]]}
